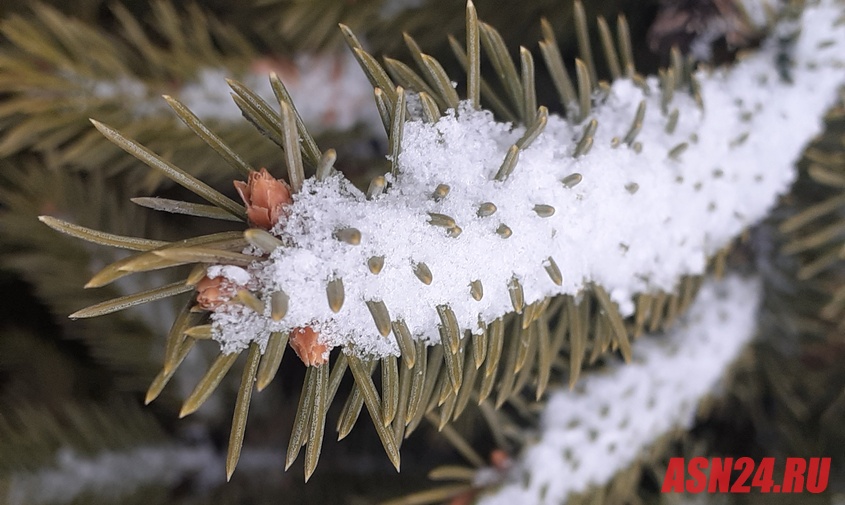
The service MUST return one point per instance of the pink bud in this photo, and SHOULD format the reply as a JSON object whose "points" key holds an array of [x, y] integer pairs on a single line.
{"points": [[304, 342], [265, 198], [214, 292]]}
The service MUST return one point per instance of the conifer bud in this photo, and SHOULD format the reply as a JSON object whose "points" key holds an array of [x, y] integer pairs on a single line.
{"points": [[304, 342], [214, 292], [265, 198]]}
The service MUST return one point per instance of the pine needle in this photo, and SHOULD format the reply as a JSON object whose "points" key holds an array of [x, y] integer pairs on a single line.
{"points": [[440, 81], [405, 342], [309, 145], [212, 378], [390, 388], [299, 433], [171, 171], [100, 237], [397, 127], [325, 167], [181, 255], [124, 302], [148, 261], [236, 437], [186, 208], [497, 51], [263, 240], [371, 399], [318, 419], [276, 346], [474, 53], [209, 137]]}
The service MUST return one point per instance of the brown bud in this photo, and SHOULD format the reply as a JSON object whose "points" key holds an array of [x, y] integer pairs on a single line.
{"points": [[500, 460], [214, 292], [265, 197], [304, 342]]}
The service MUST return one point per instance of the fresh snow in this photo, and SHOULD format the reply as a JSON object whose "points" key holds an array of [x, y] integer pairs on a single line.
{"points": [[637, 223], [237, 275], [603, 426]]}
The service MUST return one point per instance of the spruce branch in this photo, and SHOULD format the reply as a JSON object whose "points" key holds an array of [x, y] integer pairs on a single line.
{"points": [[575, 315]]}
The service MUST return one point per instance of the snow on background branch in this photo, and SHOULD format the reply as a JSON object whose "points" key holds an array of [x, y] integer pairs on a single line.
{"points": [[591, 433]]}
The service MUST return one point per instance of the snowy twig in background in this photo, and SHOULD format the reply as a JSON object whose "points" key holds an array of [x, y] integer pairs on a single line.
{"points": [[645, 214], [330, 92], [591, 433], [121, 476], [760, 12], [111, 474]]}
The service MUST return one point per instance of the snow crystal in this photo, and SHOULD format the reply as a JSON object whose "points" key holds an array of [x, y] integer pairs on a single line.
{"points": [[230, 272], [640, 220], [603, 426]]}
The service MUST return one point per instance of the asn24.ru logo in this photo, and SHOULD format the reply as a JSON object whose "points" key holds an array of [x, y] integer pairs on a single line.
{"points": [[726, 475]]}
